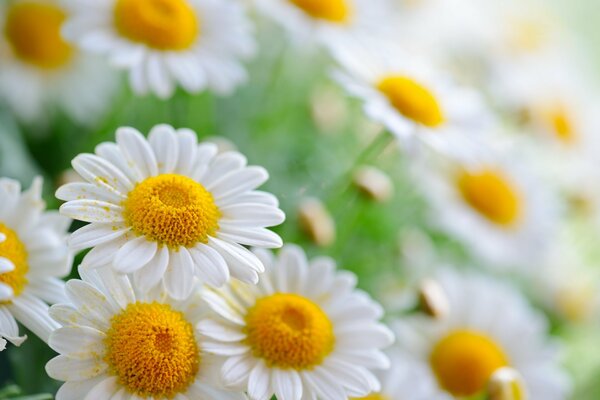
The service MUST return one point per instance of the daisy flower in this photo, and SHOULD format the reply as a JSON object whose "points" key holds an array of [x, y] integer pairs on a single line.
{"points": [[33, 255], [493, 204], [119, 343], [39, 71], [402, 380], [489, 326], [167, 209], [197, 44], [325, 20], [409, 98], [304, 332]]}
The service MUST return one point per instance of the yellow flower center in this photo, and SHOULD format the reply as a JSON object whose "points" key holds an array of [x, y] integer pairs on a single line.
{"points": [[14, 250], [413, 100], [374, 396], [173, 210], [527, 36], [289, 331], [491, 195], [463, 362], [337, 11], [152, 350], [33, 32], [159, 24]]}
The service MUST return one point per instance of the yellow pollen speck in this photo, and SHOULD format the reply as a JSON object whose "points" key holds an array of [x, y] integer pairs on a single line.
{"points": [[491, 195], [160, 24], [152, 350], [173, 210], [289, 331], [413, 100], [337, 11], [33, 32], [561, 124], [14, 250], [463, 362]]}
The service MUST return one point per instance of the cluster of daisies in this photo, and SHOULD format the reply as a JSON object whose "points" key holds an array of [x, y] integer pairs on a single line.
{"points": [[179, 296]]}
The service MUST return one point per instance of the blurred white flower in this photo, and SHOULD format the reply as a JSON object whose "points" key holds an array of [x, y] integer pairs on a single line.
{"points": [[304, 332], [33, 256], [493, 202], [167, 209], [119, 342], [489, 326], [409, 97], [41, 74], [197, 44]]}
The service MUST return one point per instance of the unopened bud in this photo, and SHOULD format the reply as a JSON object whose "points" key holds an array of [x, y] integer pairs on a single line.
{"points": [[432, 299], [316, 222], [374, 183], [506, 384]]}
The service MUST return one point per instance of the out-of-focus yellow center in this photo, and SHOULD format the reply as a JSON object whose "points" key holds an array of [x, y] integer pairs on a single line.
{"points": [[374, 396], [491, 194], [160, 24], [527, 35], [576, 301], [289, 331], [14, 250], [33, 32], [337, 11], [173, 210], [413, 100], [561, 124], [463, 362], [152, 350]]}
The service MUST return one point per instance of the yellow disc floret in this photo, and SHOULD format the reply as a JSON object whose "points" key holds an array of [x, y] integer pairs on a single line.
{"points": [[413, 100], [337, 11], [33, 32], [160, 24], [14, 250], [289, 331], [561, 124], [463, 362], [173, 210], [374, 396], [491, 195], [152, 350]]}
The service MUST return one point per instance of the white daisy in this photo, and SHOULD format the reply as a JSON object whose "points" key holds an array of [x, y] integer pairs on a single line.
{"points": [[304, 332], [167, 209], [408, 97], [492, 203], [402, 381], [33, 255], [40, 72], [489, 326], [194, 43], [326, 20], [119, 343]]}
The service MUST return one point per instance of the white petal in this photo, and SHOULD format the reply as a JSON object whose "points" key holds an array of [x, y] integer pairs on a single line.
{"points": [[257, 237], [63, 368], [238, 182], [94, 234], [83, 190], [236, 370], [252, 215], [149, 276], [259, 385], [103, 390], [92, 211], [137, 151], [220, 331], [134, 254], [179, 278], [90, 302], [286, 384], [101, 255], [78, 342], [188, 147], [98, 171], [77, 390], [33, 314], [210, 265], [164, 144]]}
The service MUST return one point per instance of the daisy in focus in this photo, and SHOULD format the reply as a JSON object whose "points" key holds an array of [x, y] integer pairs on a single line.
{"points": [[494, 205], [119, 343], [408, 98], [490, 326], [325, 20], [167, 209], [197, 44], [33, 256], [40, 73], [304, 332]]}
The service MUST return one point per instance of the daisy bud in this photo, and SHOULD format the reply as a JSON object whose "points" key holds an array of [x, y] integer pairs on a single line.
{"points": [[374, 183], [506, 384], [432, 299], [328, 110], [316, 222]]}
